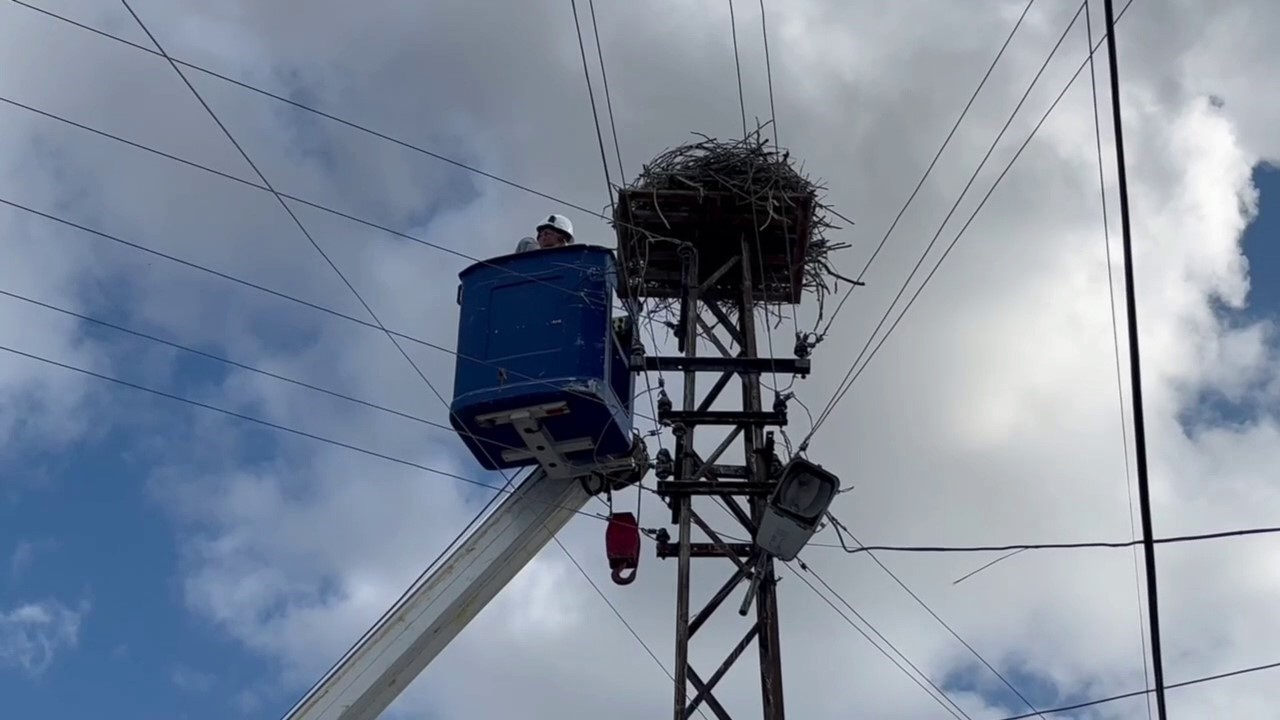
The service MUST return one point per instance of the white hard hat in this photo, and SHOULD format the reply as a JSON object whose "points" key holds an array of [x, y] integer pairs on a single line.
{"points": [[558, 222]]}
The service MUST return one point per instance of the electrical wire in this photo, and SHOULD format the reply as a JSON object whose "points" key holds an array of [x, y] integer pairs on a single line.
{"points": [[941, 697], [342, 121], [942, 226], [737, 63], [972, 650], [342, 276], [946, 141], [307, 108], [1115, 341], [595, 116], [1136, 693], [223, 360], [1094, 544], [300, 200], [608, 99], [981, 204], [500, 491], [618, 613], [237, 364], [773, 122], [272, 425], [285, 296], [297, 221]]}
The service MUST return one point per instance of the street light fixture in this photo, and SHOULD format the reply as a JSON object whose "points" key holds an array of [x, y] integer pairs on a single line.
{"points": [[796, 507]]}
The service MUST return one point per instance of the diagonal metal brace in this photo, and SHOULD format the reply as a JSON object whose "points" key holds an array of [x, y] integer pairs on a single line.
{"points": [[723, 669], [704, 691]]}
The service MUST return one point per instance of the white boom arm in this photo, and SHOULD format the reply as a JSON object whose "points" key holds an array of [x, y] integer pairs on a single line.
{"points": [[388, 658]]}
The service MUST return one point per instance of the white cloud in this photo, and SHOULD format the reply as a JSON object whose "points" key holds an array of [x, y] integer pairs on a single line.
{"points": [[990, 416], [33, 634], [191, 680], [24, 554], [21, 558]]}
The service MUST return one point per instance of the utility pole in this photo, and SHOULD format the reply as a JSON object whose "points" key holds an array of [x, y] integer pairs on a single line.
{"points": [[705, 251]]}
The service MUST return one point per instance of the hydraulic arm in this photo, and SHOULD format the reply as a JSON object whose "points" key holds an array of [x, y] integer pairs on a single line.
{"points": [[374, 673]]}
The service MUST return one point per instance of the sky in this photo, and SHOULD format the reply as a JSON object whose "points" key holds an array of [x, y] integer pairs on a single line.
{"points": [[161, 560]]}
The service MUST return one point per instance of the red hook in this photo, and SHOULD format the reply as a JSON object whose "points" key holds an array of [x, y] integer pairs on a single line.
{"points": [[622, 546]]}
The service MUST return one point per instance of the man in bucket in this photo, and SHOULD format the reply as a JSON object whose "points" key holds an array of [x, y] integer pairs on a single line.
{"points": [[555, 231]]}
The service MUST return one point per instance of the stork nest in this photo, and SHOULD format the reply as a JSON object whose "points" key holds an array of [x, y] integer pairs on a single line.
{"points": [[763, 176]]}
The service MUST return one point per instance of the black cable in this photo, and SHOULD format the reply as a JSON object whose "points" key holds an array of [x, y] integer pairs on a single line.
{"points": [[941, 698], [1115, 342], [608, 99], [826, 412], [768, 71], [737, 63], [1136, 693], [973, 651], [960, 234], [618, 613], [221, 359], [342, 276], [272, 425], [315, 111], [509, 480], [281, 295], [946, 141], [237, 364], [1135, 374], [938, 549], [595, 115], [303, 201]]}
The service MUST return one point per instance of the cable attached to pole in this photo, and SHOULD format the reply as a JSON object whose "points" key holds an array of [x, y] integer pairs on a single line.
{"points": [[1135, 372]]}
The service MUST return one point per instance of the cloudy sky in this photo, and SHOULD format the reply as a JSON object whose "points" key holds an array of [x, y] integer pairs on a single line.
{"points": [[159, 560]]}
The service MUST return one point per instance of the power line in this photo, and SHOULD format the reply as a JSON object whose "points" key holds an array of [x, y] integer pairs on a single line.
{"points": [[300, 200], [618, 613], [279, 294], [303, 201], [302, 106], [348, 123], [591, 94], [768, 70], [1096, 544], [225, 360], [1135, 373], [314, 244], [270, 424], [941, 697], [942, 226], [981, 204], [946, 141], [973, 651], [1115, 342], [390, 336], [237, 364], [737, 63], [773, 121], [1136, 693], [608, 100]]}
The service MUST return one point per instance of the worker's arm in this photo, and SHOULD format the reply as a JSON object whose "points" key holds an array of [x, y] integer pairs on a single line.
{"points": [[526, 244]]}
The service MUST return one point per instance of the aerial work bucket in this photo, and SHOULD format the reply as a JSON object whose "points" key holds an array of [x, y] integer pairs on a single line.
{"points": [[540, 377]]}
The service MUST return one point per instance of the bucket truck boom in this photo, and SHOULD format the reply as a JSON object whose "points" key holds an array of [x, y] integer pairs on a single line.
{"points": [[374, 673]]}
